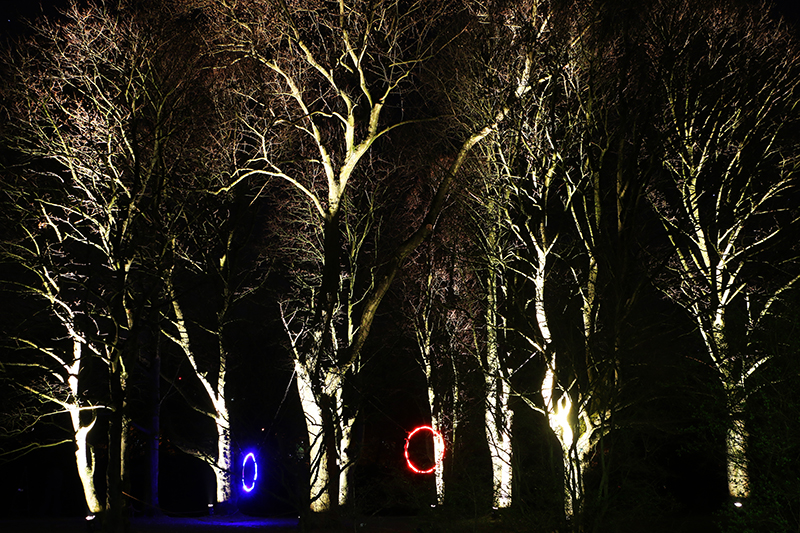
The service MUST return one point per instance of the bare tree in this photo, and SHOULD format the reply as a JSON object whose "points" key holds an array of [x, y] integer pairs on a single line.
{"points": [[93, 102], [492, 79], [439, 286], [329, 78], [561, 180], [729, 89], [205, 266]]}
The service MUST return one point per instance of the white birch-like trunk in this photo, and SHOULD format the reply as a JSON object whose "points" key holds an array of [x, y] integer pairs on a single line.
{"points": [[345, 461], [437, 415], [437, 423], [498, 414], [224, 465], [559, 419], [85, 461], [499, 420], [438, 445], [346, 455], [320, 499], [438, 451], [84, 454]]}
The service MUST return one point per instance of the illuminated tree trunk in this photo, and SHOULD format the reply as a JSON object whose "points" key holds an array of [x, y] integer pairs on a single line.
{"points": [[426, 319], [85, 460], [223, 471], [318, 454], [728, 201], [736, 451], [736, 402], [345, 461], [438, 425], [558, 405], [84, 452], [559, 413], [378, 47], [438, 449], [574, 451], [222, 464], [498, 414], [346, 450]]}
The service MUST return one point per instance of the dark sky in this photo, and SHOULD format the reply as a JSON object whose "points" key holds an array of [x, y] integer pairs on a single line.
{"points": [[13, 11]]}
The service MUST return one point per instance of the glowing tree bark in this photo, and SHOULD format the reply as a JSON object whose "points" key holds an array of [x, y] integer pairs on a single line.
{"points": [[222, 462], [588, 180], [498, 415], [340, 135], [439, 330], [93, 101], [63, 386], [540, 166], [513, 76], [329, 101], [516, 247], [206, 255], [725, 200]]}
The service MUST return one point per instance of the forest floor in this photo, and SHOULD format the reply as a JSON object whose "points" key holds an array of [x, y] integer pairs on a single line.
{"points": [[239, 523]]}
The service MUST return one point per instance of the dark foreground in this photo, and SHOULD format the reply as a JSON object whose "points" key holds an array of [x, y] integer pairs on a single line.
{"points": [[239, 523], [206, 524]]}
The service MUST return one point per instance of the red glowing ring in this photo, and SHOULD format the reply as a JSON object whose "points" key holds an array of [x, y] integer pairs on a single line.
{"points": [[439, 440]]}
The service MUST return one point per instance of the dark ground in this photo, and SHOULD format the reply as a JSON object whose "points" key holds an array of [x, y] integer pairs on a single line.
{"points": [[238, 523]]}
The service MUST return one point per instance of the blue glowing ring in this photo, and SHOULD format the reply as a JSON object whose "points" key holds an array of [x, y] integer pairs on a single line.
{"points": [[255, 472]]}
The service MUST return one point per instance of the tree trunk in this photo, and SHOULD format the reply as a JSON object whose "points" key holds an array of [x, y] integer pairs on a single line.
{"points": [[735, 397], [151, 491], [498, 414], [438, 445], [499, 419], [346, 457], [573, 483], [114, 515], [318, 456], [223, 470], [736, 445], [85, 461], [84, 453]]}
